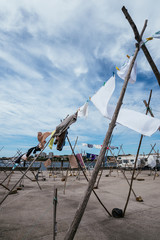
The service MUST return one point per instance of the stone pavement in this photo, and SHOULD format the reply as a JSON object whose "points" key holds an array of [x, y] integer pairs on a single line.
{"points": [[28, 214]]}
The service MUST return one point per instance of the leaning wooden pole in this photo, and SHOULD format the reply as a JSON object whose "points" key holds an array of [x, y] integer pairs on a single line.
{"points": [[139, 146], [143, 46], [81, 208], [123, 172], [54, 214], [87, 178]]}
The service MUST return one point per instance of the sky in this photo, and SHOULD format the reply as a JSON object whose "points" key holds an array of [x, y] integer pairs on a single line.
{"points": [[56, 54]]}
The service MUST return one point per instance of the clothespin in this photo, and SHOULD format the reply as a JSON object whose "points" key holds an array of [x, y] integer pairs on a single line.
{"points": [[149, 39]]}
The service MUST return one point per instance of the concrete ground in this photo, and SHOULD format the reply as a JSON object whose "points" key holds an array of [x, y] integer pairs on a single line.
{"points": [[28, 214]]}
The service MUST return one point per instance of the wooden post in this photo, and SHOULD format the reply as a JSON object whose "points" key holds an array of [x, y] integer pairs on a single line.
{"points": [[96, 187], [123, 172], [81, 208], [148, 108], [87, 178], [144, 48], [69, 167], [139, 146], [54, 214], [147, 159]]}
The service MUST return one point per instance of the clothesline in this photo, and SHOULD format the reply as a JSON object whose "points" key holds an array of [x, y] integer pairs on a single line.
{"points": [[134, 120]]}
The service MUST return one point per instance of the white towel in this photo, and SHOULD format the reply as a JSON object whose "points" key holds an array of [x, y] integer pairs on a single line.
{"points": [[83, 111]]}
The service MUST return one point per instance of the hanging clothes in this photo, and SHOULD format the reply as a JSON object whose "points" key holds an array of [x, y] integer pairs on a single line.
{"points": [[42, 138], [122, 72], [84, 144], [93, 156], [113, 147], [18, 160], [52, 140], [65, 124], [47, 162], [73, 161], [97, 146], [32, 149], [60, 140], [88, 155], [80, 159], [83, 111], [90, 145], [156, 35]]}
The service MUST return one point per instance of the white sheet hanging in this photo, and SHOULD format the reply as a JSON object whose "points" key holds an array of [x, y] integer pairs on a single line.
{"points": [[122, 72], [103, 95], [134, 120], [83, 111]]}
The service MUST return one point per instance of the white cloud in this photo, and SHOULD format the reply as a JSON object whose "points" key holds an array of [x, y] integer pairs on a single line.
{"points": [[55, 54]]}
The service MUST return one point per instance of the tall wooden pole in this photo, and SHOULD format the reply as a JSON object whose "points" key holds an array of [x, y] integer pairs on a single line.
{"points": [[143, 46], [139, 146], [54, 214], [82, 206]]}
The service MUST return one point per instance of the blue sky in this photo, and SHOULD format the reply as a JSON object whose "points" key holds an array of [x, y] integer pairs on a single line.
{"points": [[55, 54]]}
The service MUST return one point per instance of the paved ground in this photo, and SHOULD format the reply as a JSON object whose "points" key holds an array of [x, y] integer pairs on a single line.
{"points": [[28, 214]]}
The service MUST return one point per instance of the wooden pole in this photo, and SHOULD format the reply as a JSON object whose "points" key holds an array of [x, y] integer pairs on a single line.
{"points": [[1, 148], [139, 146], [87, 178], [81, 208], [147, 159], [148, 108], [96, 187], [144, 48], [68, 168], [123, 172], [54, 214]]}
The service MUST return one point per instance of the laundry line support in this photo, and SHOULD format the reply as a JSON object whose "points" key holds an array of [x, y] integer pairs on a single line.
{"points": [[96, 187], [54, 214], [139, 146], [123, 172], [87, 178], [24, 173], [147, 159], [69, 168], [143, 46]]}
